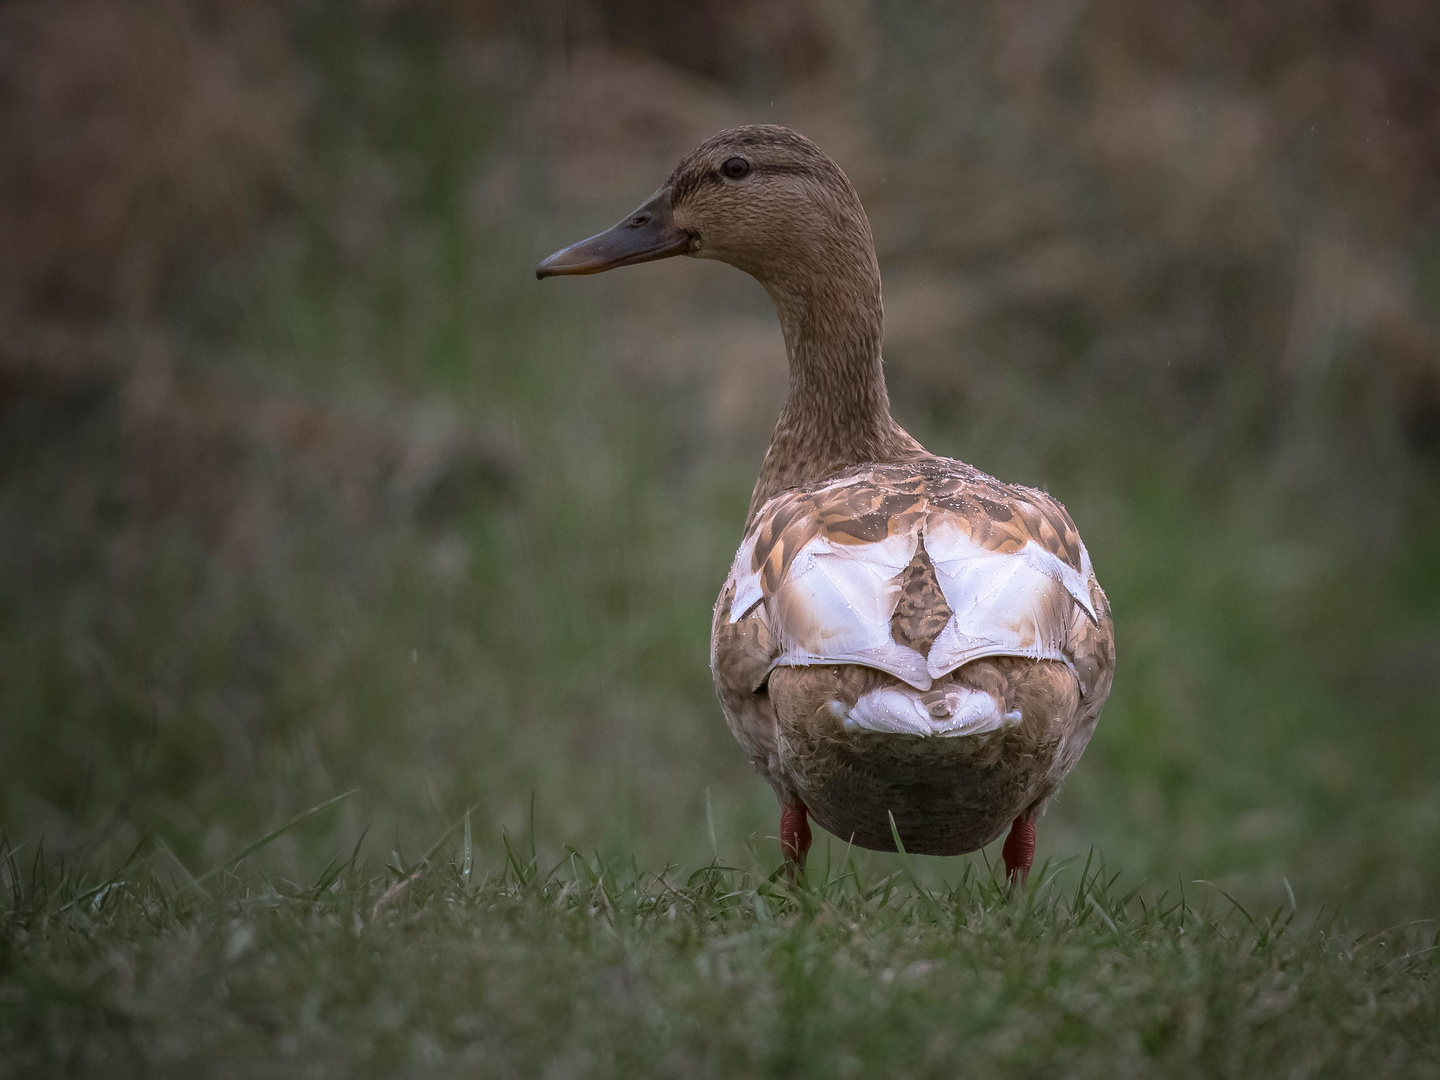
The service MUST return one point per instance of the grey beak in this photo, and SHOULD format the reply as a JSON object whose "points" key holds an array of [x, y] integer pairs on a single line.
{"points": [[647, 234]]}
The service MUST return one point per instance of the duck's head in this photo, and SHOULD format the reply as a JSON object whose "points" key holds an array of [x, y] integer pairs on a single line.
{"points": [[761, 198]]}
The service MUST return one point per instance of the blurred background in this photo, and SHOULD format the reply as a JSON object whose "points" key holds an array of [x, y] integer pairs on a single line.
{"points": [[306, 483]]}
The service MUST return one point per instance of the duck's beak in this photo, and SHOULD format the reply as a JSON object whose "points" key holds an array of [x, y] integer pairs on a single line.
{"points": [[647, 234]]}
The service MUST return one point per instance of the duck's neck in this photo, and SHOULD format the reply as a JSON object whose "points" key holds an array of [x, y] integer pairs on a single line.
{"points": [[837, 413]]}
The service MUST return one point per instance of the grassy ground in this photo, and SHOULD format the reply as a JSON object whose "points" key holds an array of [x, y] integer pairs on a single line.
{"points": [[441, 966]]}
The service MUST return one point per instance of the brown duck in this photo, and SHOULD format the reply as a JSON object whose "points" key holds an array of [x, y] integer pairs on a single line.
{"points": [[901, 636]]}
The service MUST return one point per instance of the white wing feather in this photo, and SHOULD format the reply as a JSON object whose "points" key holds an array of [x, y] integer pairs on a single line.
{"points": [[835, 602], [1003, 604], [965, 711]]}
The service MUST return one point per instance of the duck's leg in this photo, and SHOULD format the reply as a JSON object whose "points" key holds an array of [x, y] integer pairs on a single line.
{"points": [[1019, 850], [794, 836]]}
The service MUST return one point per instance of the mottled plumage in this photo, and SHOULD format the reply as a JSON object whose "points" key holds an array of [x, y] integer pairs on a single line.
{"points": [[913, 580]]}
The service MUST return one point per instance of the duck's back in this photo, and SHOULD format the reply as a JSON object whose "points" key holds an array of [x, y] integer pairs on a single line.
{"points": [[916, 639]]}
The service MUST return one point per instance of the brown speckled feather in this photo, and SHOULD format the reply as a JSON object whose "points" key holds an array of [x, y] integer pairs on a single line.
{"points": [[871, 503], [921, 611]]}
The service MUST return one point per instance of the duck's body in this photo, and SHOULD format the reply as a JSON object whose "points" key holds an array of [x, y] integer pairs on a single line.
{"points": [[900, 636], [914, 639]]}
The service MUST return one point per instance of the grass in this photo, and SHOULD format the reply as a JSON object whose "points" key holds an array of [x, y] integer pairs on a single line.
{"points": [[439, 966]]}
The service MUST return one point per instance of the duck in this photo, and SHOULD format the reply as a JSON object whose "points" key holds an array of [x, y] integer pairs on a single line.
{"points": [[912, 653]]}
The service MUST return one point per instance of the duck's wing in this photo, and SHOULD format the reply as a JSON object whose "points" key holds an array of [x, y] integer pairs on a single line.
{"points": [[912, 569]]}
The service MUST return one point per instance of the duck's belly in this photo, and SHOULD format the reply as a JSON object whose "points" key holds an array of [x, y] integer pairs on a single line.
{"points": [[949, 794]]}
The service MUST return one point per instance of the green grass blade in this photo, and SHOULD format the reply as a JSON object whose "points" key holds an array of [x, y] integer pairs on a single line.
{"points": [[468, 863], [113, 877], [1235, 903], [275, 834], [930, 902]]}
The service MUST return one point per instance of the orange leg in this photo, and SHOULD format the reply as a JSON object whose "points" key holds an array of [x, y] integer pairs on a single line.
{"points": [[794, 833], [1019, 849]]}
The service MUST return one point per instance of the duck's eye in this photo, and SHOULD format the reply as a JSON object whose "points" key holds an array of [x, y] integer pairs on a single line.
{"points": [[736, 168]]}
